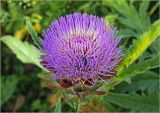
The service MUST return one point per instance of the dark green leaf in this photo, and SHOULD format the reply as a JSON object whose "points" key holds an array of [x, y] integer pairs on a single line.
{"points": [[129, 16], [143, 13], [135, 102], [127, 33], [147, 81], [8, 85], [155, 47]]}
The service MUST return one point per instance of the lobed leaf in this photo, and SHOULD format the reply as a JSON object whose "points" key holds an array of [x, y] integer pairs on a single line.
{"points": [[129, 16], [140, 45], [148, 81], [127, 33], [155, 47], [142, 103], [135, 69], [143, 13], [141, 67]]}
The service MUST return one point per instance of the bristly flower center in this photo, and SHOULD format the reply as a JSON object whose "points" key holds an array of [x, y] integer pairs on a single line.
{"points": [[80, 46]]}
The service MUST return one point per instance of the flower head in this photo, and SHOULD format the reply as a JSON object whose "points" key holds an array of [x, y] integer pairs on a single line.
{"points": [[81, 47]]}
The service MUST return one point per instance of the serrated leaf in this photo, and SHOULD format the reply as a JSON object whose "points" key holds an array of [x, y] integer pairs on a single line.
{"points": [[24, 51], [33, 33], [145, 55], [143, 7], [109, 106], [143, 13], [147, 81], [141, 67], [135, 69], [135, 102], [129, 16], [155, 47], [58, 106], [8, 86], [140, 45], [127, 33]]}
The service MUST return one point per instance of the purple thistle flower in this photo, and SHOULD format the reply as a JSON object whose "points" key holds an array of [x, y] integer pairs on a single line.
{"points": [[81, 47]]}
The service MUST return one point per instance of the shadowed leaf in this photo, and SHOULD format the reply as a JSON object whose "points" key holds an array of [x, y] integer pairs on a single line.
{"points": [[144, 103], [58, 106]]}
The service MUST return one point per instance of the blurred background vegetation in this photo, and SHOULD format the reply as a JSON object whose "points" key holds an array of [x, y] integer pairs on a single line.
{"points": [[22, 88]]}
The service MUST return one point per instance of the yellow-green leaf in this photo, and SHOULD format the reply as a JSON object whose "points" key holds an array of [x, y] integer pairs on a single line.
{"points": [[140, 45], [24, 51]]}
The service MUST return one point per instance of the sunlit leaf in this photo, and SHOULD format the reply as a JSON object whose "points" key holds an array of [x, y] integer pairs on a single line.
{"points": [[134, 70], [24, 51], [140, 45], [141, 67], [110, 18]]}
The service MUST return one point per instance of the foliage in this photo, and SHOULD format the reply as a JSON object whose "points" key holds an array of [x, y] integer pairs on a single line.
{"points": [[141, 67], [135, 20], [143, 103], [8, 86], [58, 106], [25, 52], [33, 33], [140, 45], [149, 79]]}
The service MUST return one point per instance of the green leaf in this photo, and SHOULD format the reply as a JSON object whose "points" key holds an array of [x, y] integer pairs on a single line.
{"points": [[127, 33], [147, 81], [58, 106], [143, 8], [24, 51], [33, 33], [141, 67], [140, 45], [155, 47], [106, 104], [8, 86], [39, 105], [143, 13], [154, 8], [129, 16], [135, 102], [111, 17], [135, 69]]}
